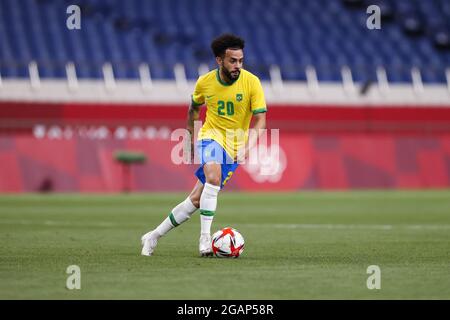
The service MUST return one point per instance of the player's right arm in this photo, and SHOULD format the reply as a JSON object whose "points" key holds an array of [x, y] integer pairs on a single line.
{"points": [[193, 115], [197, 100]]}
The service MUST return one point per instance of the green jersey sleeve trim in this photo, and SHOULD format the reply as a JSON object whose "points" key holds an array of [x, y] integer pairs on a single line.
{"points": [[195, 104], [261, 110]]}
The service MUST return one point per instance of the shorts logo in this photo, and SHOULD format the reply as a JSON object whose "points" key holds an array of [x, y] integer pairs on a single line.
{"points": [[239, 97]]}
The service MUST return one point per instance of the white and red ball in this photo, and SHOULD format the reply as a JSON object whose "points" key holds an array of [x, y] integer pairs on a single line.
{"points": [[227, 243]]}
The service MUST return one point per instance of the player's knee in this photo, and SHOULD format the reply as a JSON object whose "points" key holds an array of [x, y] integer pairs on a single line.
{"points": [[213, 179]]}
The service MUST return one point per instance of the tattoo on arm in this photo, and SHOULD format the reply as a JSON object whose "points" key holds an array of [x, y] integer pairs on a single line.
{"points": [[193, 115]]}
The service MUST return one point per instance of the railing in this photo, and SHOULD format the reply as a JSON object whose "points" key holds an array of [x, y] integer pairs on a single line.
{"points": [[277, 82]]}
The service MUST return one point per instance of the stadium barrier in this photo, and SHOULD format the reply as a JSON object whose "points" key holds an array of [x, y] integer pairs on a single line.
{"points": [[371, 87], [69, 147]]}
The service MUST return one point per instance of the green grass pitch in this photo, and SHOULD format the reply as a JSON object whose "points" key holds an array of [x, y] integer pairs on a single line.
{"points": [[305, 245]]}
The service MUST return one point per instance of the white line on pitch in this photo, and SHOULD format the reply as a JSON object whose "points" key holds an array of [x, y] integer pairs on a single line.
{"points": [[106, 224]]}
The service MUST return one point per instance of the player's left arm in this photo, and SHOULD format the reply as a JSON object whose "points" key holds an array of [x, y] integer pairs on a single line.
{"points": [[259, 121], [259, 124], [259, 110]]}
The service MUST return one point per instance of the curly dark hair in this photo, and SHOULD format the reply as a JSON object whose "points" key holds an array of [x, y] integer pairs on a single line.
{"points": [[224, 42]]}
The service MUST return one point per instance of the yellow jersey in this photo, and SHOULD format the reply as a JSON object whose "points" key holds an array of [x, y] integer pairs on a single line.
{"points": [[229, 108]]}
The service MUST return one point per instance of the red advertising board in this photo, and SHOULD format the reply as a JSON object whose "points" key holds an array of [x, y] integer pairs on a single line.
{"points": [[70, 148]]}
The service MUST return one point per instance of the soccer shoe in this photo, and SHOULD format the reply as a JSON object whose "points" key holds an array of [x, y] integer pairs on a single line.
{"points": [[148, 244], [205, 245]]}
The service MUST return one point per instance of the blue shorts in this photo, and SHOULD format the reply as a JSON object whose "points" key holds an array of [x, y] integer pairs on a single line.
{"points": [[209, 150]]}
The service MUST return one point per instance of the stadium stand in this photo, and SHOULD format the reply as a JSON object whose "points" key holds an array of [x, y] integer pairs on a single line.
{"points": [[326, 34]]}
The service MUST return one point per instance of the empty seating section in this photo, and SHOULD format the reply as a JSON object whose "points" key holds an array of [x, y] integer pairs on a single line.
{"points": [[292, 34]]}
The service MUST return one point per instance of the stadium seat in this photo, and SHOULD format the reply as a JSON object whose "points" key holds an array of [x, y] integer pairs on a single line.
{"points": [[292, 34]]}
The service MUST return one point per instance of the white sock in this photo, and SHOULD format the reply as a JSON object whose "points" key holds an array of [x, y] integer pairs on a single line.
{"points": [[179, 214], [208, 204]]}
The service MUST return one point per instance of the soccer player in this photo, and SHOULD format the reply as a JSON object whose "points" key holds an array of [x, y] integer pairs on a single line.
{"points": [[233, 96]]}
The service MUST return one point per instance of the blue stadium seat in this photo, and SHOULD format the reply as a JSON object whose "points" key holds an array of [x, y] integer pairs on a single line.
{"points": [[292, 34]]}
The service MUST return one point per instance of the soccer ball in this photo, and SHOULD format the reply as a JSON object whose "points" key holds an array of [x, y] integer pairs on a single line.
{"points": [[227, 243]]}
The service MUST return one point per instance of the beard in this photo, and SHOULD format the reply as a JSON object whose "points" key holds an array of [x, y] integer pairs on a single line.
{"points": [[230, 75]]}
